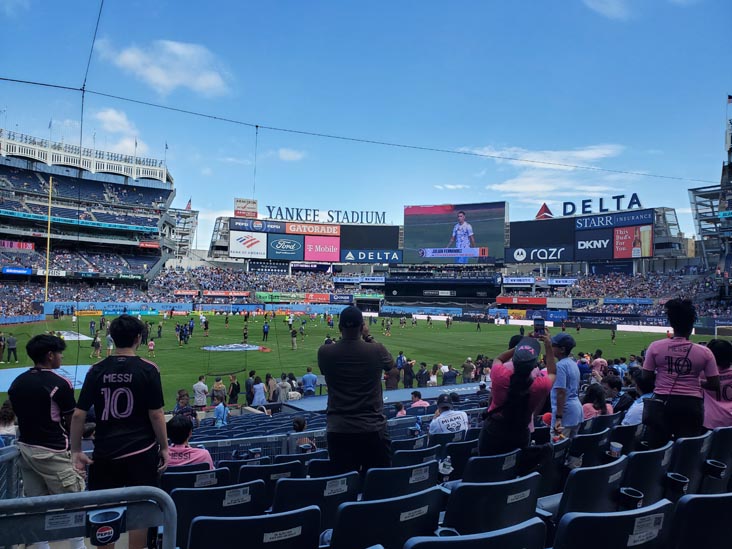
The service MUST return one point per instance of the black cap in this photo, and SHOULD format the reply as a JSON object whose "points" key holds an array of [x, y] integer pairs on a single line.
{"points": [[351, 317], [444, 401]]}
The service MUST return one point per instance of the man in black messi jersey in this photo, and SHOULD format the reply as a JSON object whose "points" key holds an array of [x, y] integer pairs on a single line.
{"points": [[130, 443]]}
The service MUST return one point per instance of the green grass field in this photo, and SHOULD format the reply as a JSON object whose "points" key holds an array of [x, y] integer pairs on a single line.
{"points": [[181, 366]]}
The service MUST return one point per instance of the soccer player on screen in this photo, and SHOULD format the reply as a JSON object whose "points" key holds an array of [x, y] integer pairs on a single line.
{"points": [[462, 236]]}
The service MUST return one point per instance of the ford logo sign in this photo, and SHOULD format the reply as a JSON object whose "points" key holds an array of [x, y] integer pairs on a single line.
{"points": [[285, 245]]}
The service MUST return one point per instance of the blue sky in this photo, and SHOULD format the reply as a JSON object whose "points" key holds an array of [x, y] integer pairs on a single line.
{"points": [[620, 84]]}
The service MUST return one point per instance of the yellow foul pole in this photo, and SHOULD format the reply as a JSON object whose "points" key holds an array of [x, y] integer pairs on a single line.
{"points": [[48, 234]]}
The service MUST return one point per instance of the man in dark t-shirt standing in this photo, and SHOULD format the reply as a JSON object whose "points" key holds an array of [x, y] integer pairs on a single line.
{"points": [[43, 401], [130, 444], [353, 368]]}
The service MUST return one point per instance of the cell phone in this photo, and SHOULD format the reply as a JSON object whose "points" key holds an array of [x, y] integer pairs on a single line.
{"points": [[539, 326]]}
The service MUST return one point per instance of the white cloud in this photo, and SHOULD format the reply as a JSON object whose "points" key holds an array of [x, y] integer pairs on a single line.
{"points": [[166, 65], [114, 121], [448, 187], [12, 7], [549, 159], [206, 172], [124, 131], [290, 155], [234, 160], [612, 9]]}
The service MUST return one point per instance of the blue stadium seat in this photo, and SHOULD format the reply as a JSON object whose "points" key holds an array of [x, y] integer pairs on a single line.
{"points": [[720, 451], [413, 443], [460, 453], [304, 457], [646, 528], [541, 435], [402, 458], [321, 468], [442, 439], [473, 433], [270, 474], [389, 522], [481, 507], [552, 472], [289, 530], [627, 435], [527, 535], [492, 468], [416, 410], [188, 468], [238, 500], [600, 423], [383, 483], [234, 465], [688, 457], [591, 447], [588, 489], [646, 472], [702, 521], [195, 479], [325, 492]]}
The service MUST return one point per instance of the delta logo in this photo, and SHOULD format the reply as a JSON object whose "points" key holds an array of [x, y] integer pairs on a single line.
{"points": [[248, 241], [544, 212]]}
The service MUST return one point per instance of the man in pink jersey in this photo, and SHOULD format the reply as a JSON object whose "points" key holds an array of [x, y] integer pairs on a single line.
{"points": [[678, 365], [180, 429], [718, 404]]}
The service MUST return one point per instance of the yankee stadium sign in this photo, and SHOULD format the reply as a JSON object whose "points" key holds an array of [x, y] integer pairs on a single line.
{"points": [[313, 215]]}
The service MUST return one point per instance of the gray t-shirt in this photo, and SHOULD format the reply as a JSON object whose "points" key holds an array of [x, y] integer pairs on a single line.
{"points": [[200, 390]]}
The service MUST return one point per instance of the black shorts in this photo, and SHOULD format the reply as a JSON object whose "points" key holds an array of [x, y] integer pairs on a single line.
{"points": [[138, 470]]}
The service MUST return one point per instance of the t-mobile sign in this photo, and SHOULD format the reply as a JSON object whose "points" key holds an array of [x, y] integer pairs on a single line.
{"points": [[322, 248]]}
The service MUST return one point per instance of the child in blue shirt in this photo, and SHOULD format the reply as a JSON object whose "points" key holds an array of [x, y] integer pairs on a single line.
{"points": [[221, 414]]}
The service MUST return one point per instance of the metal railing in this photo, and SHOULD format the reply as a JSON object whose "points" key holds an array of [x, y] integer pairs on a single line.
{"points": [[9, 474], [64, 516]]}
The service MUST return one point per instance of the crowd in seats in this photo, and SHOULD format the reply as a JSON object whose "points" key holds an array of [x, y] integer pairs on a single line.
{"points": [[68, 260]]}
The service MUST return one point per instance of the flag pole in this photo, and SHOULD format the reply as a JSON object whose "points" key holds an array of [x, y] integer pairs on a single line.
{"points": [[48, 234]]}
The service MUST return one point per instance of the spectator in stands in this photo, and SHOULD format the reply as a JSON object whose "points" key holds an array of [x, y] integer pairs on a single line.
{"points": [[613, 387], [594, 403], [450, 376], [718, 404], [130, 443], [468, 370], [12, 344], [44, 401], [259, 394], [283, 388], [482, 389], [678, 365], [7, 420], [249, 387], [234, 389], [299, 424], [423, 375], [519, 390], [644, 389], [218, 389], [221, 414], [183, 407], [271, 386], [566, 407], [200, 392], [408, 375], [400, 411], [353, 368], [180, 430], [417, 399], [309, 381], [447, 420], [392, 379]]}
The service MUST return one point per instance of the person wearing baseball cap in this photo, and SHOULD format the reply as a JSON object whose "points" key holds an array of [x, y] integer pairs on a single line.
{"points": [[566, 406], [519, 391], [353, 368], [447, 420]]}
